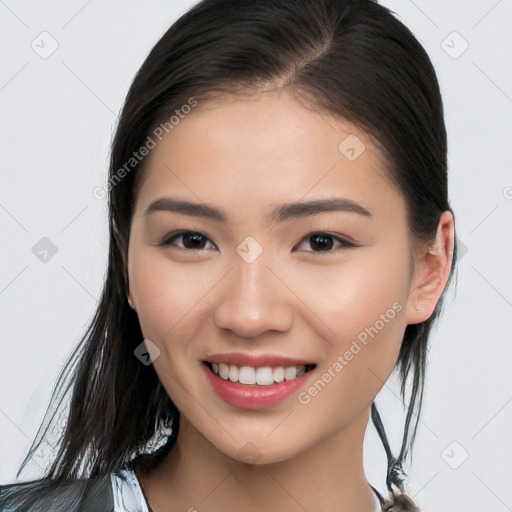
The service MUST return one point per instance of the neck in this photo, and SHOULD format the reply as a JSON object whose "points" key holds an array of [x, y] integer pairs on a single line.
{"points": [[328, 477]]}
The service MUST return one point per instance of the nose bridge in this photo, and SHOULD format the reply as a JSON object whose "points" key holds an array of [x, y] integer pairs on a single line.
{"points": [[253, 299], [251, 273]]}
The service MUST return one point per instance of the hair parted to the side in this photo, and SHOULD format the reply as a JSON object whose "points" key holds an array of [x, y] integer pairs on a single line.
{"points": [[351, 59]]}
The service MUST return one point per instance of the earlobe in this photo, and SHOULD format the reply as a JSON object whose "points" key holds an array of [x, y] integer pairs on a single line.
{"points": [[124, 262], [128, 293], [432, 270], [130, 302]]}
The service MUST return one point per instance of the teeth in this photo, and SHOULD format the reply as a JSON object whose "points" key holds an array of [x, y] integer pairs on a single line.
{"points": [[263, 376], [224, 371], [247, 375], [278, 374], [233, 373], [290, 373]]}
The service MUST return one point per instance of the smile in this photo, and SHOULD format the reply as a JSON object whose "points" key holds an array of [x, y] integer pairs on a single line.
{"points": [[256, 387], [262, 376]]}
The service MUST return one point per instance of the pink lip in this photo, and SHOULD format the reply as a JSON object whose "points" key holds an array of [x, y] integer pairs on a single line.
{"points": [[254, 397], [241, 359]]}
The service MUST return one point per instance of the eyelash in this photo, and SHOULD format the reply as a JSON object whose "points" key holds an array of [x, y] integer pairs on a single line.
{"points": [[345, 244]]}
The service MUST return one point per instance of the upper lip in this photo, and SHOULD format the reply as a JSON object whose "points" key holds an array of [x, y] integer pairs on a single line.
{"points": [[256, 361]]}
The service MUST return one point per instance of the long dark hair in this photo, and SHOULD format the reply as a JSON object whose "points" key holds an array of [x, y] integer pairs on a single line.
{"points": [[351, 59]]}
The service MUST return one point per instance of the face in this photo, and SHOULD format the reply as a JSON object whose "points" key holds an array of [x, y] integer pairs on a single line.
{"points": [[247, 284]]}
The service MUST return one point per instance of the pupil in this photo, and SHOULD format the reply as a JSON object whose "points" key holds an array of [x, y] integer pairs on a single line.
{"points": [[321, 242], [317, 241], [194, 238]]}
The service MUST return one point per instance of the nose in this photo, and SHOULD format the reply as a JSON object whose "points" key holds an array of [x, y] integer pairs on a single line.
{"points": [[254, 300]]}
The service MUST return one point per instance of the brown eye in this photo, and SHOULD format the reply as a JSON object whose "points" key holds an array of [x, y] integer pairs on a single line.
{"points": [[324, 242], [191, 241], [321, 242]]}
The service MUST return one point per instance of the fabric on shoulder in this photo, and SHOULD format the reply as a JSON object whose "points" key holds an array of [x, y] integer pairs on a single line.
{"points": [[127, 493], [116, 492], [88, 495]]}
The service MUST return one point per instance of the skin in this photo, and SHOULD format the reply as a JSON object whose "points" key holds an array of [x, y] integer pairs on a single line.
{"points": [[246, 155]]}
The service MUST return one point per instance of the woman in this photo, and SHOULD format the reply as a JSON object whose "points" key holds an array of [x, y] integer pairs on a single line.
{"points": [[281, 239]]}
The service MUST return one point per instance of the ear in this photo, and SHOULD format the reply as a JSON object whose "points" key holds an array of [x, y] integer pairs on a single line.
{"points": [[432, 270], [129, 295], [124, 263], [127, 286]]}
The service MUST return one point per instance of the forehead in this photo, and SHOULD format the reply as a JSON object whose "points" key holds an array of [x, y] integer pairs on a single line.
{"points": [[264, 148]]}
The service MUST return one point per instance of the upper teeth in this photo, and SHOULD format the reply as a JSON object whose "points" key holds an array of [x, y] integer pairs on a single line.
{"points": [[263, 376]]}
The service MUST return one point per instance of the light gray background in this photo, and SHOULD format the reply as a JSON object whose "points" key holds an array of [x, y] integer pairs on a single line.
{"points": [[57, 117]]}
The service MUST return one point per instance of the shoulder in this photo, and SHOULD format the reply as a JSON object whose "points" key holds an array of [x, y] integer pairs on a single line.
{"points": [[67, 496], [127, 492]]}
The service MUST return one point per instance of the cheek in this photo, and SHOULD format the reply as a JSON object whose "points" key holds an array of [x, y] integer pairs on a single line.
{"points": [[353, 295], [363, 303], [356, 366], [170, 296]]}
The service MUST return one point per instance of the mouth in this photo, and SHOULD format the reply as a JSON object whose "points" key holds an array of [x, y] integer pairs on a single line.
{"points": [[258, 376], [256, 381]]}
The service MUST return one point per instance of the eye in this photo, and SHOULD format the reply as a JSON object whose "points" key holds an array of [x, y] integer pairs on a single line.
{"points": [[196, 241], [324, 242], [191, 240]]}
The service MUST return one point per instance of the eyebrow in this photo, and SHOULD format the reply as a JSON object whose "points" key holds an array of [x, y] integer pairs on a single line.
{"points": [[280, 213]]}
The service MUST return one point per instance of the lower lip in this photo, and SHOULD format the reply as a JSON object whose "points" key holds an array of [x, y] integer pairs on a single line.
{"points": [[254, 397]]}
